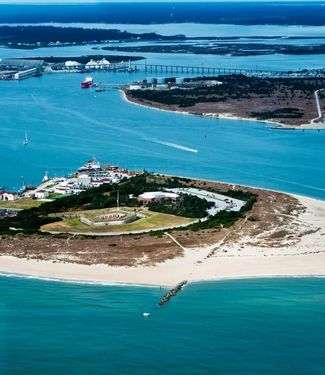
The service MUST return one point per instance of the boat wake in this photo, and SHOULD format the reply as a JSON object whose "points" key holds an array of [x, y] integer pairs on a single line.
{"points": [[81, 116], [174, 145]]}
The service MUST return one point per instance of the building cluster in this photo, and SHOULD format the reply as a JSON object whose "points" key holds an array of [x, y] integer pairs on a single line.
{"points": [[90, 65], [173, 83], [58, 43], [90, 175], [103, 64], [18, 69]]}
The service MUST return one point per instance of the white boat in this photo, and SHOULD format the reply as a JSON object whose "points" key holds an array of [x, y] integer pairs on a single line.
{"points": [[26, 141], [46, 177], [146, 314]]}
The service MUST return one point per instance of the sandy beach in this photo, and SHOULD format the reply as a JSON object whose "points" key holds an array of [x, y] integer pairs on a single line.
{"points": [[244, 258]]}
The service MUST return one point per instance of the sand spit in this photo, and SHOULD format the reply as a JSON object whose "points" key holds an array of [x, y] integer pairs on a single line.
{"points": [[245, 257]]}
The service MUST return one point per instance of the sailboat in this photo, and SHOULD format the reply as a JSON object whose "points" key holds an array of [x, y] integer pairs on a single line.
{"points": [[26, 141], [130, 68]]}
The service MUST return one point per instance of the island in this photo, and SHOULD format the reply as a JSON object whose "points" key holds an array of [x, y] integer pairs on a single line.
{"points": [[147, 228], [287, 102], [31, 37], [226, 47]]}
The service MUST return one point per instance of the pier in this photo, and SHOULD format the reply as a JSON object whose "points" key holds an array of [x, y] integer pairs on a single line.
{"points": [[172, 293]]}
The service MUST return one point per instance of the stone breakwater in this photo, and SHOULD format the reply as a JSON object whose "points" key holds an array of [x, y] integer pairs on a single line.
{"points": [[172, 293]]}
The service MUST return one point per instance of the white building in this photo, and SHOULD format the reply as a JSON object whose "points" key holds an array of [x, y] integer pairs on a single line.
{"points": [[71, 64], [103, 63], [92, 64], [84, 179], [10, 197], [157, 196], [41, 194], [25, 74], [62, 190]]}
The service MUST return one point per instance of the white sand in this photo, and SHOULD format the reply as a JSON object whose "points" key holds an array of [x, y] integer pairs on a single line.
{"points": [[305, 258]]}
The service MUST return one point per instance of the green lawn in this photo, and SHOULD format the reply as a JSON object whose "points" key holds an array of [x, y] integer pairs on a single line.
{"points": [[153, 220]]}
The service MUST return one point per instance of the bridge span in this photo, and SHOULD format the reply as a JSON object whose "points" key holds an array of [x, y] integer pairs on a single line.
{"points": [[184, 69]]}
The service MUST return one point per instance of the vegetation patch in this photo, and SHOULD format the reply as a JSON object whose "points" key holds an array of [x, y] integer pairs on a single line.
{"points": [[288, 100], [50, 215], [187, 205], [21, 204]]}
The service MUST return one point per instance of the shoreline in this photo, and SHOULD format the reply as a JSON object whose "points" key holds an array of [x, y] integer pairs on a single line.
{"points": [[229, 260], [160, 286], [274, 125], [81, 274]]}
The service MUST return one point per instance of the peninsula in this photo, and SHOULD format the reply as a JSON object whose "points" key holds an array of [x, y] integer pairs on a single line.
{"points": [[288, 102], [227, 47], [200, 230]]}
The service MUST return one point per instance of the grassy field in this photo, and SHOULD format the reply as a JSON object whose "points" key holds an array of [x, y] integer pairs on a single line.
{"points": [[94, 214], [153, 220], [21, 204]]}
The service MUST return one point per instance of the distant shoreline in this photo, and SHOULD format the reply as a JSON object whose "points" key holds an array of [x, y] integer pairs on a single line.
{"points": [[225, 116]]}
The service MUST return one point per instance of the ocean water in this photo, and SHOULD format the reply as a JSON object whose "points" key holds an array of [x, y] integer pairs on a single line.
{"points": [[271, 326]]}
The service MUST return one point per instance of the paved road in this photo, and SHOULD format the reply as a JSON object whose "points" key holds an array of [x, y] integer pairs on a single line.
{"points": [[319, 110], [221, 202]]}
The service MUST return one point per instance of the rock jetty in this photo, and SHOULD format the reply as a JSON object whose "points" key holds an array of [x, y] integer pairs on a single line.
{"points": [[172, 293]]}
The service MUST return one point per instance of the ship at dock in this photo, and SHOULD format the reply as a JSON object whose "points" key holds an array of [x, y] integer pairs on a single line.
{"points": [[87, 83], [91, 165]]}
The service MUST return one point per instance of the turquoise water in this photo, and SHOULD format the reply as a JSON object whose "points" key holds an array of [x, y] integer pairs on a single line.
{"points": [[272, 326], [67, 126]]}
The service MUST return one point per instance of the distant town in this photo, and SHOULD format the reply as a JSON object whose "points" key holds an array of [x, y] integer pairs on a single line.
{"points": [[92, 174]]}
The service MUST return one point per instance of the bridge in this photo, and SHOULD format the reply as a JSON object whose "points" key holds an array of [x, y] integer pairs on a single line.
{"points": [[201, 70], [183, 69]]}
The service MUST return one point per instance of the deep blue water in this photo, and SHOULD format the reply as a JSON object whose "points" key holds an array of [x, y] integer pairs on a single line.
{"points": [[244, 13], [272, 326]]}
